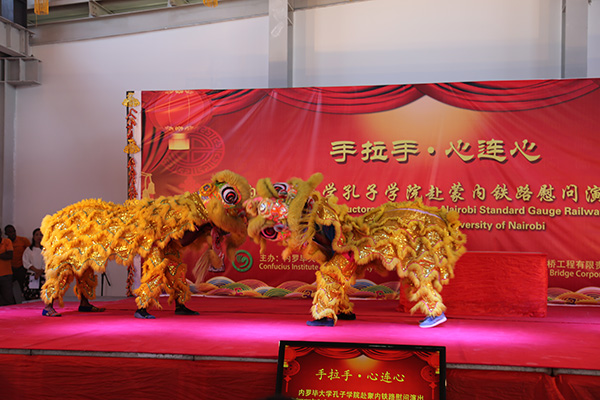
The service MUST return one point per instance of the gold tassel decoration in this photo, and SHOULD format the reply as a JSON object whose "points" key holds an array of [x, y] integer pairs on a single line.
{"points": [[211, 3], [130, 101], [131, 147], [41, 7]]}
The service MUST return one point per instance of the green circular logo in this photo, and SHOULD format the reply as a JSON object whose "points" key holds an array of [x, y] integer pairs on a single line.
{"points": [[243, 261]]}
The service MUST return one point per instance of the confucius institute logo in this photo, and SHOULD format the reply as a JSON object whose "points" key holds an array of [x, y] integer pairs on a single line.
{"points": [[243, 261]]}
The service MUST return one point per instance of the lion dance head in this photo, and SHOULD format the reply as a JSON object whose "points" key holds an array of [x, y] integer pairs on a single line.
{"points": [[224, 197], [279, 212]]}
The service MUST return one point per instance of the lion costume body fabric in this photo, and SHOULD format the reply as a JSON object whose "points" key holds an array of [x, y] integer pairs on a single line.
{"points": [[80, 239], [420, 243]]}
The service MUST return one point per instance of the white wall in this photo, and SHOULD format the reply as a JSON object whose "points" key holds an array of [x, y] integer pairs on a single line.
{"points": [[71, 129], [407, 41], [594, 40]]}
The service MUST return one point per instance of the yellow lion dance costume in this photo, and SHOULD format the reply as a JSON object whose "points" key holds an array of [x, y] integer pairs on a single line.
{"points": [[421, 243], [80, 239]]}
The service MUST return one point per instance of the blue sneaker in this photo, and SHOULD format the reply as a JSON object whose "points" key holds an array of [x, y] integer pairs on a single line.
{"points": [[430, 322], [321, 322]]}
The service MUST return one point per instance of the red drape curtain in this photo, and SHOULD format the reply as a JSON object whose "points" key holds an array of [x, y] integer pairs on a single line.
{"points": [[485, 96], [74, 378], [68, 377], [480, 96], [229, 101], [193, 110], [509, 96], [154, 148], [580, 387], [338, 353], [348, 100], [391, 354]]}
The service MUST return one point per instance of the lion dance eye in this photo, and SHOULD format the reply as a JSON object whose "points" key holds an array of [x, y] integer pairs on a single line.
{"points": [[279, 227], [282, 189], [275, 232], [269, 233], [229, 195]]}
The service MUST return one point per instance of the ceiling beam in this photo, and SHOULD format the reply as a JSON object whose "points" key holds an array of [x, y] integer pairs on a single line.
{"points": [[96, 9], [175, 3], [146, 21]]}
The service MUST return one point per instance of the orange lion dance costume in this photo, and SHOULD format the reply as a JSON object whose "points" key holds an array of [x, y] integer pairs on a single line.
{"points": [[421, 243], [81, 238]]}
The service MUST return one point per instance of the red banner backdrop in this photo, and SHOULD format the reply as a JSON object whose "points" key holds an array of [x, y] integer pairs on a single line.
{"points": [[518, 160]]}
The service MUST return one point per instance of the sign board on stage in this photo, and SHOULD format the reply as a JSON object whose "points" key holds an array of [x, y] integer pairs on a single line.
{"points": [[335, 370]]}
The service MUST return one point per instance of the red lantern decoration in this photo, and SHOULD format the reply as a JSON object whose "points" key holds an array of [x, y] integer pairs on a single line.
{"points": [[178, 112]]}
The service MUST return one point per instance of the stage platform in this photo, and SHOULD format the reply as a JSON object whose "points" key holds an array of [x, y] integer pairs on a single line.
{"points": [[229, 351]]}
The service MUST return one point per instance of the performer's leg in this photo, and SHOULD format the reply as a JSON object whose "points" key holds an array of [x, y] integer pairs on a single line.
{"points": [[6, 291], [175, 281], [425, 290], [151, 284], [49, 310], [57, 283], [334, 278], [85, 289], [20, 276]]}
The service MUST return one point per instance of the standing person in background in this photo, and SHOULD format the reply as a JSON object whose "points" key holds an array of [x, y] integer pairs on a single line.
{"points": [[6, 287], [19, 243], [33, 261]]}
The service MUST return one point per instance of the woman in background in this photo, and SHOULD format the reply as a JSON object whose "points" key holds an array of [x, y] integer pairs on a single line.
{"points": [[35, 266]]}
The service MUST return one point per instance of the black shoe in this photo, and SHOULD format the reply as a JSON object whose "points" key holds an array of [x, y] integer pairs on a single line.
{"points": [[143, 314], [350, 316], [181, 309], [91, 308]]}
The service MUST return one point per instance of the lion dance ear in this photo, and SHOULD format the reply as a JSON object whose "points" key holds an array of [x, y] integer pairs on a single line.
{"points": [[315, 180], [305, 190], [235, 180], [265, 188]]}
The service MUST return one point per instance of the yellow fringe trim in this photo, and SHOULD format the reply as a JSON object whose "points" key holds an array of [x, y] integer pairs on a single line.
{"points": [[85, 235], [334, 278], [421, 243], [81, 238]]}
